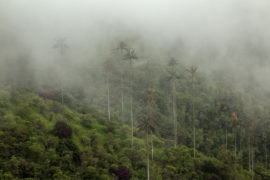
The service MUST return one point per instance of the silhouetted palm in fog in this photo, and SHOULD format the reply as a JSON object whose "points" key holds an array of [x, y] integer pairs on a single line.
{"points": [[131, 56], [172, 78], [61, 46], [122, 47], [108, 67], [192, 70], [147, 123]]}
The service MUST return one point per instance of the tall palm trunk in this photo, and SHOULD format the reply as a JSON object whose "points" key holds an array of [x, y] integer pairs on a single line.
{"points": [[131, 103], [122, 97], [174, 115], [148, 164], [240, 142], [61, 46], [193, 122], [108, 98], [170, 106], [265, 150], [249, 154], [62, 99], [226, 138], [131, 118], [152, 150], [235, 137], [266, 157], [62, 96], [62, 90], [252, 159], [194, 142]]}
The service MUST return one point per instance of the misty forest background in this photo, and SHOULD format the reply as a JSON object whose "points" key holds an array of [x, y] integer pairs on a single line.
{"points": [[133, 105]]}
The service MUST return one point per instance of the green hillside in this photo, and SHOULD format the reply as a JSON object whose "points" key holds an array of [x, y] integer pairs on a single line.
{"points": [[42, 139]]}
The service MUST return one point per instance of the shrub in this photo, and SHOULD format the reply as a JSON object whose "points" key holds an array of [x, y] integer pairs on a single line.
{"points": [[90, 173], [62, 130], [87, 121], [123, 173]]}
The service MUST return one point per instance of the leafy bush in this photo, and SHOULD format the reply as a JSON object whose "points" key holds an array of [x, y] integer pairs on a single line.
{"points": [[87, 121], [123, 173], [62, 130]]}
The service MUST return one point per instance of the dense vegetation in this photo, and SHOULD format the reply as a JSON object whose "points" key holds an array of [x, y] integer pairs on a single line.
{"points": [[41, 139], [142, 121]]}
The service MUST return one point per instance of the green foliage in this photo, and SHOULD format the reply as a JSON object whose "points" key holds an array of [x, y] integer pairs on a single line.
{"points": [[62, 130], [87, 120]]}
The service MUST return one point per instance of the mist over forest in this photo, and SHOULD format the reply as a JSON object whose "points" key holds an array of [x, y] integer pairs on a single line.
{"points": [[113, 89], [223, 36]]}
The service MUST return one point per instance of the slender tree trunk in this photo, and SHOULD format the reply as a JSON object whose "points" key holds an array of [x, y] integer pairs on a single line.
{"points": [[249, 154], [148, 164], [235, 160], [174, 116], [265, 149], [252, 160], [226, 139], [152, 146], [131, 118], [170, 102], [194, 140], [62, 89], [193, 122], [240, 143], [122, 97], [235, 148], [131, 104], [235, 155], [62, 99], [108, 99], [62, 96], [266, 157]]}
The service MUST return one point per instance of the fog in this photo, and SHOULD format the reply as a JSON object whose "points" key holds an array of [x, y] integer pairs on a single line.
{"points": [[218, 36]]}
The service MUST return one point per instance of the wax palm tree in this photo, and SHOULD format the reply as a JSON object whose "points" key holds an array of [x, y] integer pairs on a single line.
{"points": [[147, 123], [108, 67], [192, 70], [61, 46], [252, 147], [235, 125], [251, 137], [122, 47], [172, 78], [131, 56]]}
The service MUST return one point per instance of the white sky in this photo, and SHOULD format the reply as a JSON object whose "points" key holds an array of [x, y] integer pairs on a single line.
{"points": [[192, 19]]}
